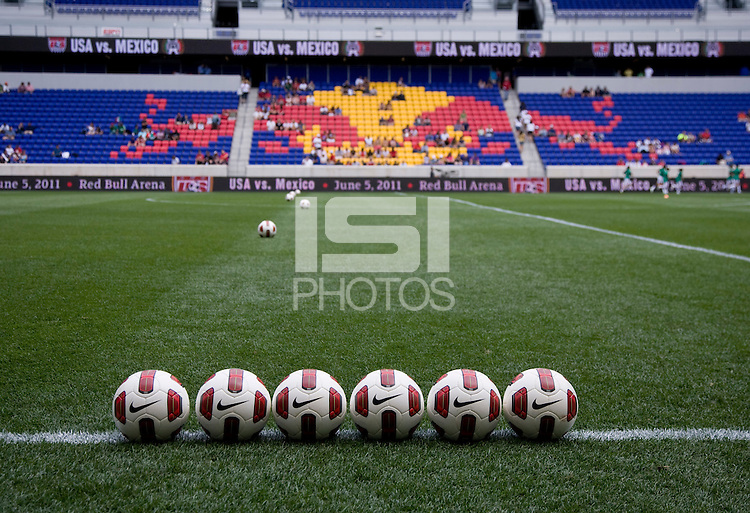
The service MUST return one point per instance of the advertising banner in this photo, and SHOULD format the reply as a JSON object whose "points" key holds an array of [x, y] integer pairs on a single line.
{"points": [[261, 184], [193, 184], [114, 45], [639, 185]]}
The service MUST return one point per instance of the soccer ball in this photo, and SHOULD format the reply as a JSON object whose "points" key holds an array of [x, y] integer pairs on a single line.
{"points": [[267, 229], [233, 405], [290, 196], [540, 404], [387, 405], [309, 404], [464, 405], [297, 192], [150, 406], [304, 203]]}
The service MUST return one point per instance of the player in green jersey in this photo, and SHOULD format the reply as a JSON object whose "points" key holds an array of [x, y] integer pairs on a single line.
{"points": [[662, 181], [677, 185], [733, 183], [627, 183]]}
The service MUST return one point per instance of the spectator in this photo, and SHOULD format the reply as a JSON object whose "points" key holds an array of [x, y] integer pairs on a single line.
{"points": [[117, 127], [29, 88], [215, 121], [729, 158], [203, 69], [200, 158], [175, 160], [8, 133], [26, 129], [22, 88], [6, 87], [493, 77], [57, 152], [244, 90], [506, 87]]}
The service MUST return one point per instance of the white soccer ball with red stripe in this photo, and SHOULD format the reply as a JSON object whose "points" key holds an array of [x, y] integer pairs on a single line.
{"points": [[233, 405], [309, 404], [150, 406], [540, 404], [387, 405], [464, 405], [267, 229]]}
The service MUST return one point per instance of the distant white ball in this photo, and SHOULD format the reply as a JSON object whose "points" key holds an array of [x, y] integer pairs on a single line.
{"points": [[540, 404], [267, 228], [150, 406], [464, 405], [290, 196], [297, 192], [233, 405], [304, 203], [309, 404], [387, 405]]}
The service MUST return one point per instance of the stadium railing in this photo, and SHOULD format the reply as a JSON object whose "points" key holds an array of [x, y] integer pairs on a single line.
{"points": [[392, 8], [124, 7], [607, 9]]}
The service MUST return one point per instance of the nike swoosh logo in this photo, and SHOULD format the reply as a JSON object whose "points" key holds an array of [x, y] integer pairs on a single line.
{"points": [[297, 404], [377, 401], [222, 407], [538, 406], [136, 409], [461, 404]]}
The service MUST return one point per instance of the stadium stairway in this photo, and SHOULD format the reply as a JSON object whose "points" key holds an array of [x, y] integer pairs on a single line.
{"points": [[529, 152], [243, 135]]}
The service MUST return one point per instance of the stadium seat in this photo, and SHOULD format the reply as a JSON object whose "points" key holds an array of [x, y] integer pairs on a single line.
{"points": [[443, 104], [624, 119], [60, 117]]}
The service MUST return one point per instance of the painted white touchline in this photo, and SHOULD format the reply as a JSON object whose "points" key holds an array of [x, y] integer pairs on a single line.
{"points": [[731, 205], [154, 200], [268, 434], [603, 230]]}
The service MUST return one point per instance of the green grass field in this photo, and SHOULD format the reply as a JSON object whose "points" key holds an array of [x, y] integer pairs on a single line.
{"points": [[97, 286]]}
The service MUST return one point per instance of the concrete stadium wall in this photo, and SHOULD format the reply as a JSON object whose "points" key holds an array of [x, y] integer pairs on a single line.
{"points": [[258, 171], [122, 81]]}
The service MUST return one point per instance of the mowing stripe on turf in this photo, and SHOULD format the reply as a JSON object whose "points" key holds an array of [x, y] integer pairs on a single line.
{"points": [[603, 230], [583, 435]]}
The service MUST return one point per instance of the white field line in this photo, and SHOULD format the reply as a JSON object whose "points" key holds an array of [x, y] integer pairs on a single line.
{"points": [[197, 203], [583, 435], [731, 205], [608, 232]]}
